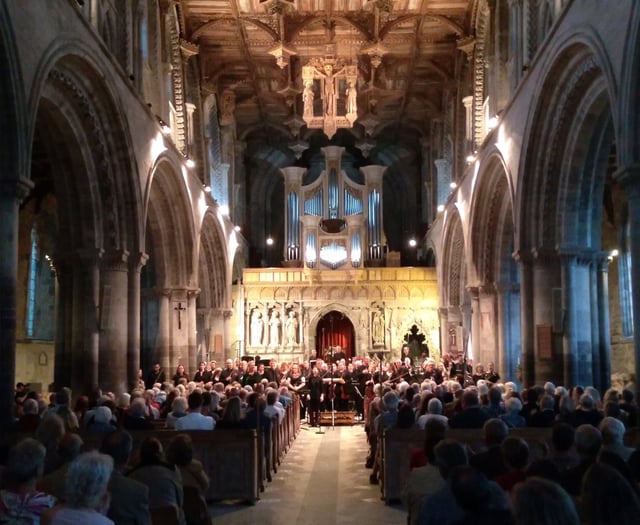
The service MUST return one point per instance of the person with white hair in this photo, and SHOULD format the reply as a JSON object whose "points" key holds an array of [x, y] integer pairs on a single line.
{"points": [[434, 412], [86, 496], [613, 430]]}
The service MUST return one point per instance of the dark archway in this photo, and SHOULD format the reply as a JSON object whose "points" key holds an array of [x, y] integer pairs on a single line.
{"points": [[333, 330]]}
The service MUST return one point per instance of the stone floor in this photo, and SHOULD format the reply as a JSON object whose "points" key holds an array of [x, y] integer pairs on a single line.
{"points": [[322, 480]]}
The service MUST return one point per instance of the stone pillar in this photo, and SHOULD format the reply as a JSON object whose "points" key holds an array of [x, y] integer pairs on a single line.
{"points": [[113, 373], [443, 175], [89, 319], [515, 45], [443, 317], [227, 336], [471, 316], [527, 323], [602, 341], [192, 345], [164, 322], [629, 178], [11, 195], [64, 320], [218, 333], [133, 347], [570, 323]]}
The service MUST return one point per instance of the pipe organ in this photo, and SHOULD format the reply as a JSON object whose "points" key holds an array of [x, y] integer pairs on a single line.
{"points": [[333, 222]]}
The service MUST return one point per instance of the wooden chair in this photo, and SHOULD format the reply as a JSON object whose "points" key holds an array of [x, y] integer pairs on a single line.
{"points": [[167, 515], [195, 507]]}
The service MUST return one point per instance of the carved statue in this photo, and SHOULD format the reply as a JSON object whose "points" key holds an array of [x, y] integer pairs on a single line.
{"points": [[377, 328], [257, 328], [307, 98], [274, 329], [291, 328], [352, 96]]}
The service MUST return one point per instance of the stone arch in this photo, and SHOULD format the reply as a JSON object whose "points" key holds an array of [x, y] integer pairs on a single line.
{"points": [[494, 268], [490, 221], [577, 80], [13, 185], [569, 160], [629, 113], [453, 262], [169, 235], [333, 306], [212, 265]]}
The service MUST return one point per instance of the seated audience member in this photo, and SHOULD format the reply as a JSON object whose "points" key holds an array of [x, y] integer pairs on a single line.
{"points": [[472, 415], [630, 407], [538, 501], [232, 415], [86, 494], [545, 415], [588, 441], [101, 420], [434, 412], [512, 417], [515, 453], [30, 418], [194, 420], [180, 454], [562, 452], [607, 497], [61, 408], [20, 501], [441, 506], [69, 448], [491, 461], [425, 480], [612, 431], [135, 418], [587, 413], [162, 479], [49, 433], [129, 498], [274, 407], [178, 410], [481, 500]]}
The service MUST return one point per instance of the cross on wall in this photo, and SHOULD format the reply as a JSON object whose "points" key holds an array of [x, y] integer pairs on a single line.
{"points": [[180, 309]]}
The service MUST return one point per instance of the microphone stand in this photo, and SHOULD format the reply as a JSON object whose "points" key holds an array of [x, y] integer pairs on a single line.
{"points": [[320, 431], [333, 386]]}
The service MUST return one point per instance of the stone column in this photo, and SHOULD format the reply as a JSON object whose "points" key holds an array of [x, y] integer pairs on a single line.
{"points": [[11, 195], [443, 317], [629, 178], [64, 320], [88, 318], [192, 344], [515, 45], [133, 347], [527, 323], [602, 336], [227, 336], [113, 373], [578, 303], [443, 174], [471, 316], [164, 322]]}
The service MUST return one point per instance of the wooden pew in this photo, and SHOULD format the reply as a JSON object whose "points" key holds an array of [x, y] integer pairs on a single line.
{"points": [[398, 443], [229, 457]]}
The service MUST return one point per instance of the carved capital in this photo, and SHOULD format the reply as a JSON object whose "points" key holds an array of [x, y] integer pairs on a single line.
{"points": [[137, 261], [115, 260], [16, 188]]}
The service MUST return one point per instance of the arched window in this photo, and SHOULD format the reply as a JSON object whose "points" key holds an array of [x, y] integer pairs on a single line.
{"points": [[31, 284], [40, 318]]}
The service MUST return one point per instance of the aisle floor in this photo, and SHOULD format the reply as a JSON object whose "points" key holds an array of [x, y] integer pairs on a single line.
{"points": [[322, 480]]}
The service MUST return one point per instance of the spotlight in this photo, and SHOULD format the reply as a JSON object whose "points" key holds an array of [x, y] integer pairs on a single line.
{"points": [[440, 208], [453, 185], [269, 241], [207, 189], [189, 163], [412, 243]]}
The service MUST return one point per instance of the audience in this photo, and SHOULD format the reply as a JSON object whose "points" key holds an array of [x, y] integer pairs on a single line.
{"points": [[538, 501], [20, 501], [86, 495], [162, 479], [129, 498]]}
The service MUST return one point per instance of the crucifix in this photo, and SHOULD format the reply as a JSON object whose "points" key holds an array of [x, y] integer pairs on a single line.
{"points": [[179, 309]]}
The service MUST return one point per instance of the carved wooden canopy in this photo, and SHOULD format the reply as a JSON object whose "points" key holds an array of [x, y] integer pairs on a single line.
{"points": [[407, 52]]}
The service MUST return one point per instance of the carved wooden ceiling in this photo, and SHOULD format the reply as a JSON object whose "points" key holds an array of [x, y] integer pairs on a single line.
{"points": [[407, 52]]}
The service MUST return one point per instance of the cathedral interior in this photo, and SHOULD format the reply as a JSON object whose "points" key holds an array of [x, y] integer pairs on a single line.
{"points": [[202, 179]]}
